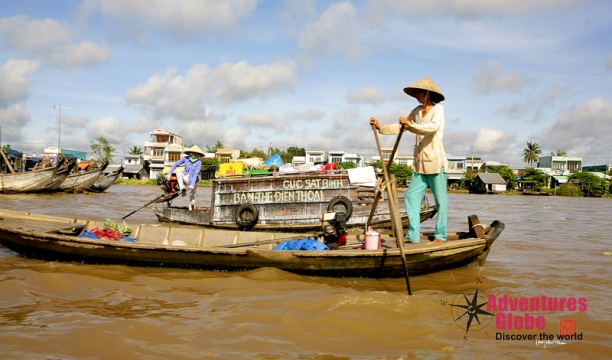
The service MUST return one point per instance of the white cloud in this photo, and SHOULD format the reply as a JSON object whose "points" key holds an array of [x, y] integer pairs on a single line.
{"points": [[266, 121], [298, 11], [15, 80], [50, 39], [492, 78], [367, 94], [185, 17], [609, 61], [234, 138], [336, 33], [307, 115], [116, 131], [464, 8], [492, 140], [586, 130], [14, 119], [75, 121], [182, 97]]}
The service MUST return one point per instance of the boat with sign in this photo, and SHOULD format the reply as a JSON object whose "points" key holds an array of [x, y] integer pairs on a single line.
{"points": [[158, 245], [290, 203]]}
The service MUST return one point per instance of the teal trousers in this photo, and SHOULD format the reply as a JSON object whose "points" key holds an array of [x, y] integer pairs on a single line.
{"points": [[418, 184]]}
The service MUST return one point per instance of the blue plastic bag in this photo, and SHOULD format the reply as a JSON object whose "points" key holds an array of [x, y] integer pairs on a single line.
{"points": [[308, 244], [88, 234], [128, 239]]}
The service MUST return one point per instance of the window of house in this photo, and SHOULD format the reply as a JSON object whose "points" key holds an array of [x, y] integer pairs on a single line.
{"points": [[386, 156], [174, 156], [336, 159]]}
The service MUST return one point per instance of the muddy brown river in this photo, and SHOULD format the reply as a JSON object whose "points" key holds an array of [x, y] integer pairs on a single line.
{"points": [[555, 250]]}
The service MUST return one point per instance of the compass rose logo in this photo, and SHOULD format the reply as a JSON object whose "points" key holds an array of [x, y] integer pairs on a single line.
{"points": [[467, 310]]}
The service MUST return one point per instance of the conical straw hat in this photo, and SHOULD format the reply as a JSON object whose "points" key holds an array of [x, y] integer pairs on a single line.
{"points": [[194, 149], [424, 84]]}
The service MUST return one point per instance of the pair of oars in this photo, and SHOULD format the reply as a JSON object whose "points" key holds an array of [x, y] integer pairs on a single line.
{"points": [[396, 221]]}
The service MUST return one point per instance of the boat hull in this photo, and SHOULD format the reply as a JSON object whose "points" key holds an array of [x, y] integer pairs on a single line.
{"points": [[29, 181], [214, 249], [80, 181], [106, 181]]}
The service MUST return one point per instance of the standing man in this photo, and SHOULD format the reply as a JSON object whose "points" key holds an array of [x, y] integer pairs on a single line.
{"points": [[427, 122], [189, 176]]}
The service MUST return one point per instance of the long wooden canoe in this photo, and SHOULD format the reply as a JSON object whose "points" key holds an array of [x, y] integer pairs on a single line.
{"points": [[54, 238], [29, 181], [82, 180], [106, 181], [61, 175]]}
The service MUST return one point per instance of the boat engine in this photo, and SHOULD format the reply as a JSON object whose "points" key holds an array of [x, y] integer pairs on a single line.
{"points": [[334, 229], [170, 186]]}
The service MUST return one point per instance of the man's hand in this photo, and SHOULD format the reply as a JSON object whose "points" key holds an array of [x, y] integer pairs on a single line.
{"points": [[168, 177], [374, 122], [191, 187]]}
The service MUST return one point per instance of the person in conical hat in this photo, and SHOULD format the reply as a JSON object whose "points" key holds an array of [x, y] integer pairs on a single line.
{"points": [[427, 122], [190, 175]]}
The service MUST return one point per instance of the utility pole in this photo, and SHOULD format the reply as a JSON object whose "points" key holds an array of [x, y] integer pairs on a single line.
{"points": [[59, 126], [472, 157]]}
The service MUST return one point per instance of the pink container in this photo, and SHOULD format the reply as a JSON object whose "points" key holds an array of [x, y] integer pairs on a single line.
{"points": [[372, 240]]}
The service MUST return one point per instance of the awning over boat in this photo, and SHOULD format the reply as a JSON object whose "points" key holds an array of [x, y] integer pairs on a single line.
{"points": [[167, 169]]}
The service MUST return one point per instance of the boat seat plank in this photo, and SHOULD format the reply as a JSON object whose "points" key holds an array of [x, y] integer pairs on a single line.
{"points": [[39, 226], [191, 237], [153, 235]]}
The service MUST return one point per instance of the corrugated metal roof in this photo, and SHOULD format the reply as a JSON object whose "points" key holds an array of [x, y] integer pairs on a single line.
{"points": [[491, 178]]}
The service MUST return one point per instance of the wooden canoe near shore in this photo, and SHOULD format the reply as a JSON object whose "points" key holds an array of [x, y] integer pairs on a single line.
{"points": [[287, 203], [82, 180], [61, 175], [106, 181], [29, 181], [55, 238]]}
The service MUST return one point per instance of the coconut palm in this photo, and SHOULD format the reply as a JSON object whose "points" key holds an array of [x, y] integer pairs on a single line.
{"points": [[531, 152], [558, 153], [135, 150]]}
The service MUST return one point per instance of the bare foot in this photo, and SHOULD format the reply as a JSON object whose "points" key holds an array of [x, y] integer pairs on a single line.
{"points": [[437, 241]]}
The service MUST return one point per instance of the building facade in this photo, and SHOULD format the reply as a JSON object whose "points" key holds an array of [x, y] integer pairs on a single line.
{"points": [[154, 149]]}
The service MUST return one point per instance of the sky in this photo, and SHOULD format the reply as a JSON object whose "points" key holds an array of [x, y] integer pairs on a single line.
{"points": [[258, 74]]}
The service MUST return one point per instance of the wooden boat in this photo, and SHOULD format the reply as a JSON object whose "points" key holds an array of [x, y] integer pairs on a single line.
{"points": [[29, 181], [106, 181], [55, 238], [82, 180], [288, 203], [61, 175]]}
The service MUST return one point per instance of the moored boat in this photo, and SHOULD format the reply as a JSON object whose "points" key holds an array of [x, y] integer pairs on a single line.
{"points": [[106, 181], [28, 181], [282, 203], [56, 238], [81, 180], [61, 175]]}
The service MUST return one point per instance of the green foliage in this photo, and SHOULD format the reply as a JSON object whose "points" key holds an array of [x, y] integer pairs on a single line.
{"points": [[558, 153], [569, 189], [401, 172], [6, 147], [102, 150], [295, 151], [469, 180], [123, 229], [535, 177], [211, 165], [256, 152], [590, 184], [531, 152], [135, 150], [213, 149], [506, 173], [346, 165]]}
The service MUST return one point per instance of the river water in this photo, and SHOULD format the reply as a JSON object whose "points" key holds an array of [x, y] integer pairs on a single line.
{"points": [[552, 246]]}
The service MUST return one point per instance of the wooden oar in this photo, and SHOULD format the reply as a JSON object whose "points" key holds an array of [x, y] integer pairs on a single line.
{"points": [[396, 221], [378, 195], [162, 197]]}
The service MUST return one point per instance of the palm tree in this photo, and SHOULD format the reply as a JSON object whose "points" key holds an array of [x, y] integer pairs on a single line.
{"points": [[135, 150], [218, 145], [531, 152], [558, 153]]}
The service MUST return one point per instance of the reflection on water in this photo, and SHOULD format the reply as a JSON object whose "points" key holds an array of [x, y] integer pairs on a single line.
{"points": [[552, 246]]}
